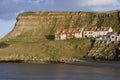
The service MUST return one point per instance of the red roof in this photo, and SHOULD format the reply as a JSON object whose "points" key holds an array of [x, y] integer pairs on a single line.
{"points": [[64, 31], [105, 28], [78, 30], [58, 31], [109, 33], [90, 29], [71, 30]]}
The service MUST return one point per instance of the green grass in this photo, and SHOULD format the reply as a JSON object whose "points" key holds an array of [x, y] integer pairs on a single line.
{"points": [[44, 49]]}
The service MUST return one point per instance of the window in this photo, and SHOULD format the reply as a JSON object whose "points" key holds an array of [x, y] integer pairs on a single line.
{"points": [[113, 37], [90, 32]]}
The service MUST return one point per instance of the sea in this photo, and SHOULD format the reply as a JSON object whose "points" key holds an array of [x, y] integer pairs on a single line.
{"points": [[68, 71]]}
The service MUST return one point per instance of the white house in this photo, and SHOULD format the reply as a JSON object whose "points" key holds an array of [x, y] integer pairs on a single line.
{"points": [[63, 35], [70, 33], [103, 37], [115, 37], [103, 33], [79, 32], [105, 30], [57, 34], [89, 32], [94, 31], [109, 36], [118, 38]]}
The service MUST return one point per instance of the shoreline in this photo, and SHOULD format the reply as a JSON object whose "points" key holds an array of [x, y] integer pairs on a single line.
{"points": [[82, 63], [58, 62]]}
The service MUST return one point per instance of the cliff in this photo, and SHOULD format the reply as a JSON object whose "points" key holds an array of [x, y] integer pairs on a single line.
{"points": [[29, 38], [39, 24]]}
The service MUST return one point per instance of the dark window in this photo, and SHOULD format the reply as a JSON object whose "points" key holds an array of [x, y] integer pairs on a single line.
{"points": [[113, 37]]}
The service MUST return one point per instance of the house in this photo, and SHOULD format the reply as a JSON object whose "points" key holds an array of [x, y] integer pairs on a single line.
{"points": [[94, 31], [89, 32], [103, 37], [118, 38], [79, 32], [109, 36], [99, 38], [57, 34], [103, 33], [97, 32], [63, 35], [113, 37], [70, 33], [105, 30]]}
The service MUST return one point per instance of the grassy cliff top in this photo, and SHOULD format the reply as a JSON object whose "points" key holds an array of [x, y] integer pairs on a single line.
{"points": [[43, 13]]}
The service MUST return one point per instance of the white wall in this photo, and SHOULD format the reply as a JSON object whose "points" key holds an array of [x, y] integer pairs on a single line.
{"points": [[63, 36]]}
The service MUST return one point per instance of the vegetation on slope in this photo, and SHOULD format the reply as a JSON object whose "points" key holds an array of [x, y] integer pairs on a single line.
{"points": [[44, 50]]}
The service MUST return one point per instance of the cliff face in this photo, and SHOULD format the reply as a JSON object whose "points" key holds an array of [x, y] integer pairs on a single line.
{"points": [[39, 24], [27, 41]]}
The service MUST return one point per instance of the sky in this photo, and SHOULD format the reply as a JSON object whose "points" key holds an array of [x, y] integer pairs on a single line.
{"points": [[9, 9]]}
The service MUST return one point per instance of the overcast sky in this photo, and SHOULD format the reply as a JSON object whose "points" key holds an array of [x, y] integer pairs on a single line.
{"points": [[9, 9]]}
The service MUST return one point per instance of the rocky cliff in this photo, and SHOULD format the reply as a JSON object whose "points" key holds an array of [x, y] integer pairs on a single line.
{"points": [[39, 24], [28, 40]]}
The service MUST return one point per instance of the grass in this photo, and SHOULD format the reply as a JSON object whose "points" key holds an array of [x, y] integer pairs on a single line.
{"points": [[44, 50]]}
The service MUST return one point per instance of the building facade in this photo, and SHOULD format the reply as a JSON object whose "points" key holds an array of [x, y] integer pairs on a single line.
{"points": [[103, 33], [63, 34]]}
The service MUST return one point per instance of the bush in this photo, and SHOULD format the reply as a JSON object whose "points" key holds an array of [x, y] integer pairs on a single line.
{"points": [[3, 45]]}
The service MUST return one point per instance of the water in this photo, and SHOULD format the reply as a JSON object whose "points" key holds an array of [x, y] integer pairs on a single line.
{"points": [[77, 71]]}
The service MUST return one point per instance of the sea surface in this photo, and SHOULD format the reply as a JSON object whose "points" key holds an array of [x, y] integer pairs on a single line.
{"points": [[71, 71]]}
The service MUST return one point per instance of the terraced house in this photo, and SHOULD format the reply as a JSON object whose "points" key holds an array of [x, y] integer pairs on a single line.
{"points": [[90, 32], [105, 30], [94, 31], [63, 34], [103, 33], [109, 36]]}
